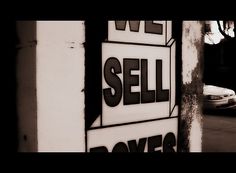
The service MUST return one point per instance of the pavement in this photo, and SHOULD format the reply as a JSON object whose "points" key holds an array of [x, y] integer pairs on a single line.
{"points": [[219, 131]]}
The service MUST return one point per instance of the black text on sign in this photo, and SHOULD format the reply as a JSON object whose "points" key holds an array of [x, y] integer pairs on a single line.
{"points": [[113, 67], [145, 32]]}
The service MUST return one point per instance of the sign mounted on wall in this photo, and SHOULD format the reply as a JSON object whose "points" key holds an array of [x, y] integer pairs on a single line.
{"points": [[139, 112]]}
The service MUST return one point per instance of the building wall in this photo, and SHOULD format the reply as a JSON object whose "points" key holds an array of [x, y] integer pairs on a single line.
{"points": [[51, 79], [50, 75]]}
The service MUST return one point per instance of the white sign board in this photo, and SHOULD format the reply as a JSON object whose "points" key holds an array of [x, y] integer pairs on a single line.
{"points": [[158, 135], [141, 90], [145, 32]]}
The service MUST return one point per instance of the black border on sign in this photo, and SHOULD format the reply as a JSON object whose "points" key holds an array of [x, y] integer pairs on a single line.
{"points": [[173, 41], [166, 33], [130, 123], [140, 44], [169, 42]]}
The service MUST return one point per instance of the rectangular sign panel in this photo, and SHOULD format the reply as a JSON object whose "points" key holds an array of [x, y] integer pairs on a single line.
{"points": [[145, 32], [136, 82], [158, 135]]}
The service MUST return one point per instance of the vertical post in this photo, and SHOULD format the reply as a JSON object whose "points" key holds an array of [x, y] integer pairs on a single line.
{"points": [[190, 137], [50, 81]]}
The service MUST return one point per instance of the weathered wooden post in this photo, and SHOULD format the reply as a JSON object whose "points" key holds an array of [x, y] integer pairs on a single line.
{"points": [[190, 134]]}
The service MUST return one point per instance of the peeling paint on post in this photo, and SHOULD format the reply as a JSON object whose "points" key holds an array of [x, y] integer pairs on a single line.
{"points": [[190, 137]]}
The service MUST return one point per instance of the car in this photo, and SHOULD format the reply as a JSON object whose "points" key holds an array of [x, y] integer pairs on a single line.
{"points": [[216, 98]]}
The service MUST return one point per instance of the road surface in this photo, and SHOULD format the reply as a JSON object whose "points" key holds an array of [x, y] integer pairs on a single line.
{"points": [[219, 131]]}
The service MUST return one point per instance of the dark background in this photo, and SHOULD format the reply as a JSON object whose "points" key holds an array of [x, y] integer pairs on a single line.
{"points": [[8, 95], [220, 64]]}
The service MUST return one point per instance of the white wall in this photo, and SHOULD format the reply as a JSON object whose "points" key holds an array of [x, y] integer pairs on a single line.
{"points": [[50, 76], [60, 84]]}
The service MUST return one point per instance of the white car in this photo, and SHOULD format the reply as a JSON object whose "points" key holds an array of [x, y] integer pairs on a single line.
{"points": [[215, 97]]}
